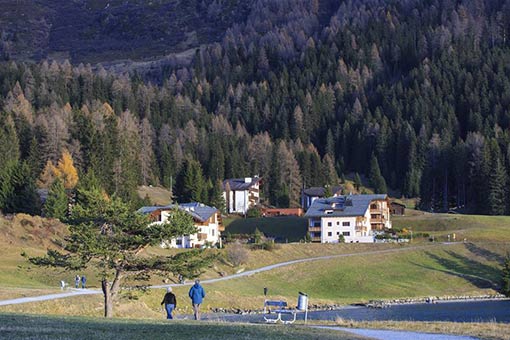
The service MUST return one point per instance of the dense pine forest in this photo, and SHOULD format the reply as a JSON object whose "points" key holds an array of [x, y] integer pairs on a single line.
{"points": [[413, 94]]}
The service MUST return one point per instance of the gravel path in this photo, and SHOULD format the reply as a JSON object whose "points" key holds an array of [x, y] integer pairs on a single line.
{"points": [[75, 292], [397, 335]]}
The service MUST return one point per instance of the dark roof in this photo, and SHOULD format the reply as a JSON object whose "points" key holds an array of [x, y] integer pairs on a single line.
{"points": [[320, 191], [199, 211], [240, 184], [345, 205], [397, 203]]}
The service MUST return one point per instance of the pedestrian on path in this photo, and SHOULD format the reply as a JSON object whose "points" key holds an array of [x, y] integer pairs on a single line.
{"points": [[196, 294], [170, 302], [83, 281], [77, 281]]}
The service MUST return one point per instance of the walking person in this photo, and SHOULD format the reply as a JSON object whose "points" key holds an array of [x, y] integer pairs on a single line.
{"points": [[196, 294], [83, 281], [170, 302], [77, 280]]}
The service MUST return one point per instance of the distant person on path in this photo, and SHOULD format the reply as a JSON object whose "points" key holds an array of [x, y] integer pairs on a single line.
{"points": [[83, 281], [170, 302], [77, 280], [196, 294]]}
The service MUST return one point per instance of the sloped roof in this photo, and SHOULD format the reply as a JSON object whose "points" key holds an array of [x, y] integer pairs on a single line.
{"points": [[320, 191], [398, 203], [239, 184], [345, 205], [198, 211]]}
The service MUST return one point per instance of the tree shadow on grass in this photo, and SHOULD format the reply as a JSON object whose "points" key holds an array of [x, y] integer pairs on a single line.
{"points": [[479, 274], [485, 253]]}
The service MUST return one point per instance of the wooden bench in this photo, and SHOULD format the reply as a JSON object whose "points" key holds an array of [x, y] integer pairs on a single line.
{"points": [[280, 308]]}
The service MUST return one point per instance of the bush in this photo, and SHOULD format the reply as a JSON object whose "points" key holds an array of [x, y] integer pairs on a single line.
{"points": [[254, 212], [505, 276], [237, 254], [268, 245]]}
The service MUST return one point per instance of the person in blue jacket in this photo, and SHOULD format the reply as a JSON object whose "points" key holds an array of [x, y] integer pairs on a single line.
{"points": [[196, 294]]}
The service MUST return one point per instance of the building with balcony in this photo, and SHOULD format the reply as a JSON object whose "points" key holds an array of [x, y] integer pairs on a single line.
{"points": [[358, 218], [241, 194], [207, 220]]}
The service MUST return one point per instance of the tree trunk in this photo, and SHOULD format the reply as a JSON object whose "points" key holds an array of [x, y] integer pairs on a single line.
{"points": [[110, 292], [108, 303]]}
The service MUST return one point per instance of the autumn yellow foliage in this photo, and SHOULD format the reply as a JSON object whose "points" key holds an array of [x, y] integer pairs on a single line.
{"points": [[64, 170]]}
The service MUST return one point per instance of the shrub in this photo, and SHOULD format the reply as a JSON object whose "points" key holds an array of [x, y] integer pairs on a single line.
{"points": [[237, 254], [254, 212], [505, 276]]}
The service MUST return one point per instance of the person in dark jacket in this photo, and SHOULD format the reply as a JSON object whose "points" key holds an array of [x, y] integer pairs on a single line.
{"points": [[83, 281], [196, 294], [170, 302]]}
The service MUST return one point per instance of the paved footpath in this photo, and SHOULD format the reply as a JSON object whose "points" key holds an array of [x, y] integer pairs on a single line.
{"points": [[397, 335], [75, 292]]}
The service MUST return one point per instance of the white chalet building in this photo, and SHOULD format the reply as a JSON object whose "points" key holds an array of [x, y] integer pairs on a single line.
{"points": [[241, 194], [206, 219], [357, 217]]}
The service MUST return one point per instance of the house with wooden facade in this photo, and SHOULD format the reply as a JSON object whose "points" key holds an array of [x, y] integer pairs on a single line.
{"points": [[397, 208], [206, 219], [241, 194], [358, 218]]}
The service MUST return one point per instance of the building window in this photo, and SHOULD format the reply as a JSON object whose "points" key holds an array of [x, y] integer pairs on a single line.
{"points": [[329, 224], [337, 233], [346, 233], [212, 232], [178, 242], [346, 224], [373, 206], [330, 233], [338, 223]]}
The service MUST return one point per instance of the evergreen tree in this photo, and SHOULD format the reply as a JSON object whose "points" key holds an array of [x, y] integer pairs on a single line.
{"points": [[216, 197], [357, 181], [497, 182], [376, 179], [56, 204]]}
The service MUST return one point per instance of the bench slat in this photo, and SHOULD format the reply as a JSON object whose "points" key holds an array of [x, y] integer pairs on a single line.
{"points": [[276, 303]]}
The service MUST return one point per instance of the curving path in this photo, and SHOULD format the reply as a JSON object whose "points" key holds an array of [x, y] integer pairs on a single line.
{"points": [[396, 335], [75, 292]]}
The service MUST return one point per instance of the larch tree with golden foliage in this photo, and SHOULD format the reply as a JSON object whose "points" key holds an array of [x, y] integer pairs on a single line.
{"points": [[66, 170]]}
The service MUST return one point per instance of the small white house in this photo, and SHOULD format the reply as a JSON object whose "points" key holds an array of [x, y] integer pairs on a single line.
{"points": [[358, 218], [206, 219], [241, 194]]}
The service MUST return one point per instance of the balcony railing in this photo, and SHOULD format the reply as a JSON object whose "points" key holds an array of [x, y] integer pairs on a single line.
{"points": [[202, 236], [316, 239], [314, 229]]}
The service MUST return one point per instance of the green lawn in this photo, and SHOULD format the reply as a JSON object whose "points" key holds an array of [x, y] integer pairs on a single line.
{"points": [[285, 228], [472, 227], [15, 327]]}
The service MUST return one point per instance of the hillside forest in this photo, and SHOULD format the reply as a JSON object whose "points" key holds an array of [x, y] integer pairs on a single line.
{"points": [[413, 94]]}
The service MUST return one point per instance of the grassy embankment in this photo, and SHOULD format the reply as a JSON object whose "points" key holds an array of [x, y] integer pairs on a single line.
{"points": [[459, 269]]}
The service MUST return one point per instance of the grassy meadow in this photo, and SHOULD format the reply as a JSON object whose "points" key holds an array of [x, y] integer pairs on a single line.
{"points": [[16, 327], [419, 269]]}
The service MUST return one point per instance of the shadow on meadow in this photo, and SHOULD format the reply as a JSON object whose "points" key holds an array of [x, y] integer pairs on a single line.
{"points": [[485, 253], [477, 273]]}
